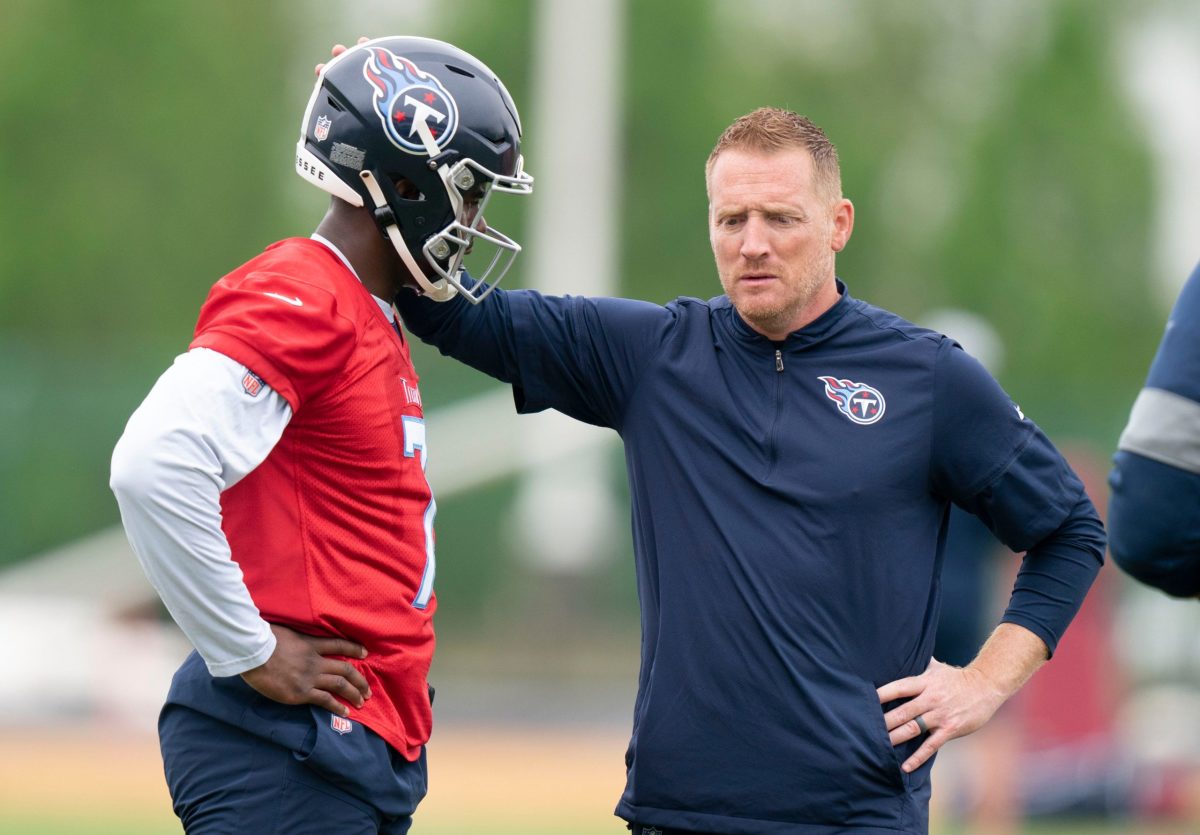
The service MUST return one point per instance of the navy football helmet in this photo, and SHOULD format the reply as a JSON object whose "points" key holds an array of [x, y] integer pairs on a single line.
{"points": [[423, 134]]}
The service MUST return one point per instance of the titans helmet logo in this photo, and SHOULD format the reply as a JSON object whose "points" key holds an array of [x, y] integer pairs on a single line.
{"points": [[857, 401], [418, 114]]}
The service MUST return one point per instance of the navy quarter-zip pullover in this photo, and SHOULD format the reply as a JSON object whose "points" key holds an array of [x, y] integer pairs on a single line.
{"points": [[789, 504]]}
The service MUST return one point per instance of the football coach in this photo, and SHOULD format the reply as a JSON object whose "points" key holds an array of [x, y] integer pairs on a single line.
{"points": [[792, 454]]}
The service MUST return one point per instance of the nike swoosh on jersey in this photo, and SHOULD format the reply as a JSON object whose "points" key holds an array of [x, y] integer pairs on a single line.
{"points": [[292, 300]]}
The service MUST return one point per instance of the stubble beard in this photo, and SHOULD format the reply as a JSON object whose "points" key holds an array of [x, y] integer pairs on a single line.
{"points": [[783, 315]]}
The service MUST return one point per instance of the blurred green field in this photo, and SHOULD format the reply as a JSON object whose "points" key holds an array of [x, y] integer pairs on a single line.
{"points": [[485, 780], [531, 824]]}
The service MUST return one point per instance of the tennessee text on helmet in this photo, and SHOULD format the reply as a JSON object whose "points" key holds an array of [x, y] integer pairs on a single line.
{"points": [[423, 134]]}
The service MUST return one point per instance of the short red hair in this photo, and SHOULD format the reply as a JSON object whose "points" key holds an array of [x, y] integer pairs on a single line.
{"points": [[770, 129]]}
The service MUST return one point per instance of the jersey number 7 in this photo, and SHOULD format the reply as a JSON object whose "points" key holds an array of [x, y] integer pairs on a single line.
{"points": [[414, 439]]}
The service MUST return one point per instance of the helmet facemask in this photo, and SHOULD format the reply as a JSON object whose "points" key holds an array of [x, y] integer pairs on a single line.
{"points": [[470, 186], [436, 121]]}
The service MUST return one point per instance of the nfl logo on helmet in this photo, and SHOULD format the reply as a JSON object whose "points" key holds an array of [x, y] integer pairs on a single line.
{"points": [[322, 130]]}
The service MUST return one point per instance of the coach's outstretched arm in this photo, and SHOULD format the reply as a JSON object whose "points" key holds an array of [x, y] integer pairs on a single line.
{"points": [[1154, 504], [582, 356]]}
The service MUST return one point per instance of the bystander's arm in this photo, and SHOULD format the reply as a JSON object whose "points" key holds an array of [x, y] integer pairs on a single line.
{"points": [[1155, 530], [1155, 480]]}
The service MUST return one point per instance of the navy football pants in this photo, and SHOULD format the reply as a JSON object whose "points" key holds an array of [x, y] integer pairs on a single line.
{"points": [[273, 769]]}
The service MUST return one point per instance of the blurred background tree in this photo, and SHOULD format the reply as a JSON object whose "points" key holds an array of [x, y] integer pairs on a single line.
{"points": [[144, 154], [1031, 161], [992, 154]]}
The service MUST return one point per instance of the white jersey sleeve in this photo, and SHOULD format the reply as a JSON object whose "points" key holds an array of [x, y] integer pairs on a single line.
{"points": [[206, 423]]}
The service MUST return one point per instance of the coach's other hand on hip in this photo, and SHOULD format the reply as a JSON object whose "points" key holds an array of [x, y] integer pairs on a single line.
{"points": [[946, 702]]}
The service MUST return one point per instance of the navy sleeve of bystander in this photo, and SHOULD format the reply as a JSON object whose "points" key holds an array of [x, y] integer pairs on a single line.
{"points": [[1154, 504]]}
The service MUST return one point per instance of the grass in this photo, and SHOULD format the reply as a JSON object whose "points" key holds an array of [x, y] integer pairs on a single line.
{"points": [[527, 823], [112, 784], [47, 825]]}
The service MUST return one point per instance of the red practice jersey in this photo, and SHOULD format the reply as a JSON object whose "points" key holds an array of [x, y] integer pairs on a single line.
{"points": [[334, 530]]}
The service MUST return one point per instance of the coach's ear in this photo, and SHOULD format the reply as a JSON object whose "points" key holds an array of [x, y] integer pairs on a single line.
{"points": [[843, 224]]}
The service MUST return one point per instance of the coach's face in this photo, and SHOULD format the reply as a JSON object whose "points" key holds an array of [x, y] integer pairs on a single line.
{"points": [[774, 235]]}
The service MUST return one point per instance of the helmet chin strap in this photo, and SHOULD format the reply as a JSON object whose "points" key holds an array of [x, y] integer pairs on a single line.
{"points": [[439, 291]]}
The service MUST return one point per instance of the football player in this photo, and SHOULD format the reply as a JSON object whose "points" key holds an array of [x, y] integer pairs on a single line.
{"points": [[272, 483]]}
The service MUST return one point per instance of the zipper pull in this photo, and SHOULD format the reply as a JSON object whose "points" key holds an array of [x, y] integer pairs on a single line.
{"points": [[778, 360]]}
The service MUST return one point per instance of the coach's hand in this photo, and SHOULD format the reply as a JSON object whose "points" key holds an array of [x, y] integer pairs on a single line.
{"points": [[298, 672], [337, 50], [951, 701]]}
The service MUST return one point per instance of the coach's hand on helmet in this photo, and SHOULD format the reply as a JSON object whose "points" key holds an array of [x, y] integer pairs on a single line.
{"points": [[298, 672], [338, 49]]}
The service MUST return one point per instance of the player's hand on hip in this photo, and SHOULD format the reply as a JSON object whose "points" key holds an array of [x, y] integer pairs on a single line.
{"points": [[338, 49], [298, 672], [950, 702]]}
